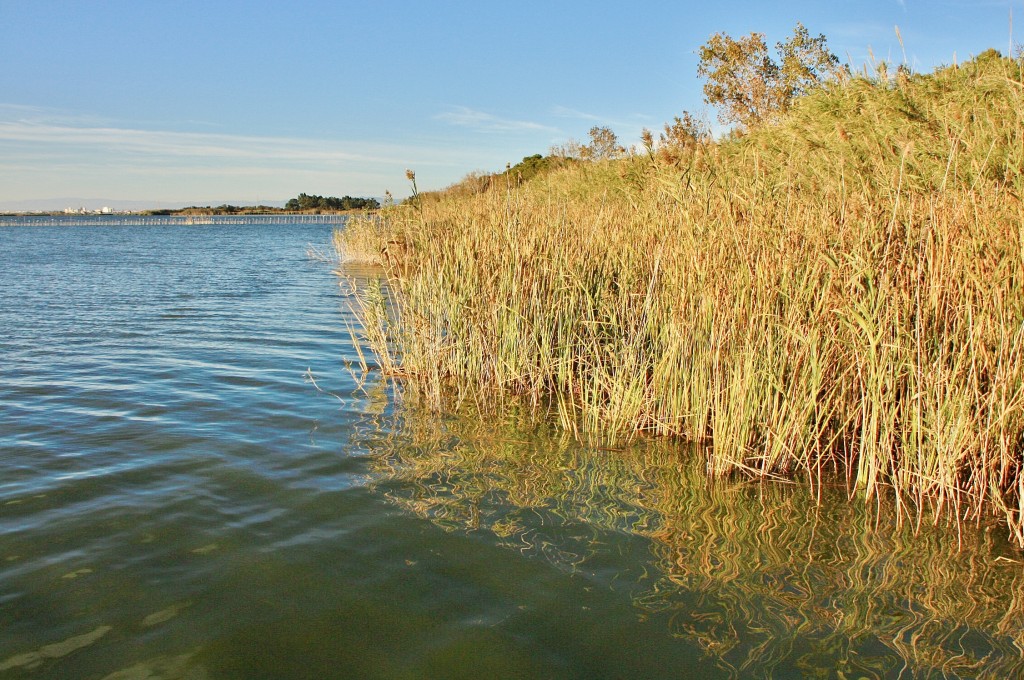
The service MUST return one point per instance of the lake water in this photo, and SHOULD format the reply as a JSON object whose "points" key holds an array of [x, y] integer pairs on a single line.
{"points": [[195, 484]]}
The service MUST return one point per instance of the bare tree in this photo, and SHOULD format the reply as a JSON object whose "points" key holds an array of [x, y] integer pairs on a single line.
{"points": [[604, 145]]}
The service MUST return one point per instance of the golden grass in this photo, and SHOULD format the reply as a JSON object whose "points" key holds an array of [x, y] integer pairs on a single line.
{"points": [[842, 291]]}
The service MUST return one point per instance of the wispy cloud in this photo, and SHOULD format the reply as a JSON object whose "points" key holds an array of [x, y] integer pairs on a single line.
{"points": [[41, 133], [566, 112], [197, 145], [47, 152], [21, 109], [464, 116], [633, 121]]}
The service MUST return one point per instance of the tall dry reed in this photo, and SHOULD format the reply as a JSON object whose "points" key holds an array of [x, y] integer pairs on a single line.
{"points": [[840, 292]]}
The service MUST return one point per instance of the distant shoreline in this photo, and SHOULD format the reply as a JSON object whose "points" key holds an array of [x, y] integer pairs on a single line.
{"points": [[258, 210], [145, 220], [183, 212]]}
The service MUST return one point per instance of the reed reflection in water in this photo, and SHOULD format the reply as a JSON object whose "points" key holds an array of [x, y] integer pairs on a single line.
{"points": [[764, 577]]}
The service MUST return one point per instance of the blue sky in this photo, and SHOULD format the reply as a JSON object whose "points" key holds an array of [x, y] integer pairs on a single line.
{"points": [[213, 101]]}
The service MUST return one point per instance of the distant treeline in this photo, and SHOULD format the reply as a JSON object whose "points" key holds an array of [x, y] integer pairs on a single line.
{"points": [[302, 203], [224, 209], [306, 202]]}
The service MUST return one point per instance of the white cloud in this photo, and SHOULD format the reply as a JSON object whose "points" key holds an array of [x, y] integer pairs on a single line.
{"points": [[566, 112], [198, 145], [59, 143], [632, 124], [38, 132], [45, 152], [466, 117]]}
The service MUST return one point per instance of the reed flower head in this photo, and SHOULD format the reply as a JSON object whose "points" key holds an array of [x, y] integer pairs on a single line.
{"points": [[648, 139]]}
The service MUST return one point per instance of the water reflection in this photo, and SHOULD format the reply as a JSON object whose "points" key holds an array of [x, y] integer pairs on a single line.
{"points": [[763, 577]]}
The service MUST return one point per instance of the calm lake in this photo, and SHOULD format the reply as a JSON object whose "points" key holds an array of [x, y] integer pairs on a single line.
{"points": [[196, 481]]}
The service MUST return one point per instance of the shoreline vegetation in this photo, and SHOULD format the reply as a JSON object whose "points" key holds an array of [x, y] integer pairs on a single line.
{"points": [[304, 204], [834, 289]]}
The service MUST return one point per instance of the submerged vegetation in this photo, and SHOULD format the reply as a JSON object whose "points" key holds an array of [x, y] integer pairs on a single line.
{"points": [[837, 291]]}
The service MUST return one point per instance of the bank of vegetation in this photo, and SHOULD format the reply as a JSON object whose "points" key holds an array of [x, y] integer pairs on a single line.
{"points": [[310, 204], [834, 288]]}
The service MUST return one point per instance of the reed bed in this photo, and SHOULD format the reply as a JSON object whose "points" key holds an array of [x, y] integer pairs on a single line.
{"points": [[841, 292]]}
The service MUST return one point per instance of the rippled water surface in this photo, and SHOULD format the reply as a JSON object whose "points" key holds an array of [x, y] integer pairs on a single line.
{"points": [[180, 499]]}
